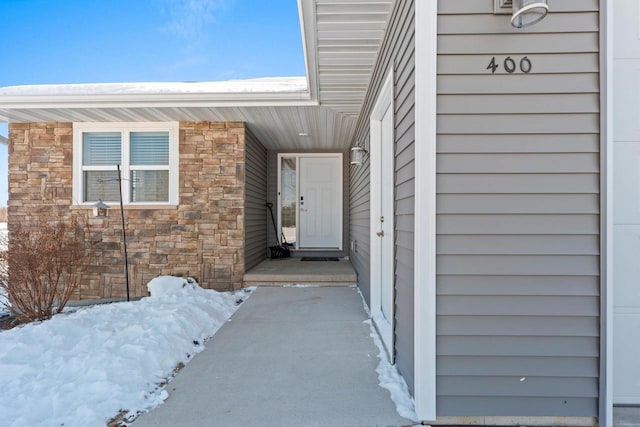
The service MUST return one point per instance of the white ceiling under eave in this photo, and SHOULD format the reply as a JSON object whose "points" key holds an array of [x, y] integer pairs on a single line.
{"points": [[347, 36], [341, 39]]}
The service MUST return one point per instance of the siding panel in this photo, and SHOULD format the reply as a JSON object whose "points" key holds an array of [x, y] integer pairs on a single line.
{"points": [[586, 22], [525, 346], [255, 234], [486, 6], [516, 83], [518, 213], [520, 366], [518, 203]]}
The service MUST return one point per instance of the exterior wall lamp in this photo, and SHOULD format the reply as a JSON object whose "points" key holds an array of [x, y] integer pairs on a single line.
{"points": [[528, 12], [523, 12], [357, 154]]}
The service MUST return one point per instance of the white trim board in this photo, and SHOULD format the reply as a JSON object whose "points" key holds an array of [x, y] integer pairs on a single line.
{"points": [[425, 211]]}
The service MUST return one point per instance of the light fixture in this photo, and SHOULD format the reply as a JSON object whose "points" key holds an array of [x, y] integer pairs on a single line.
{"points": [[100, 208], [357, 154], [528, 12]]}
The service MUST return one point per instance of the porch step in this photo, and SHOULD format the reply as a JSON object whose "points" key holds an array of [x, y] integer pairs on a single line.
{"points": [[293, 271]]}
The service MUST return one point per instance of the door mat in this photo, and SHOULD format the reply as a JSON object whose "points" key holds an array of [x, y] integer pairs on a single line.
{"points": [[319, 258]]}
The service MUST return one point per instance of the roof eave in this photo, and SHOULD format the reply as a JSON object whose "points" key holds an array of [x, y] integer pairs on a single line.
{"points": [[156, 100]]}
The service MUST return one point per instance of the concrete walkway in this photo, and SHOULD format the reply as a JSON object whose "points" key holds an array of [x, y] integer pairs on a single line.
{"points": [[288, 357]]}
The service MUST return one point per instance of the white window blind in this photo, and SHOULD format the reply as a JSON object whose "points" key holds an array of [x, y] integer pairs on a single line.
{"points": [[149, 148], [101, 151], [149, 166]]}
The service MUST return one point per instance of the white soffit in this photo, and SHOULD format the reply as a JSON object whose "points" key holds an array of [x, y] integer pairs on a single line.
{"points": [[341, 40], [345, 36]]}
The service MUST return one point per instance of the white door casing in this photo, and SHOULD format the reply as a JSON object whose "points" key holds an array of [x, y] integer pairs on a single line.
{"points": [[382, 216]]}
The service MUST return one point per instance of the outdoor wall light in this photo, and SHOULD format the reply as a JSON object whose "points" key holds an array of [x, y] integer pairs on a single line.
{"points": [[528, 12], [357, 154], [100, 208]]}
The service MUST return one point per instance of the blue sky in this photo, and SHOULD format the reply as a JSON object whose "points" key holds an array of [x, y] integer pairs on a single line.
{"points": [[91, 41]]}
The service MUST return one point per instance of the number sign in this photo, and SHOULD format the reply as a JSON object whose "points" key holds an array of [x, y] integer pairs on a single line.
{"points": [[510, 65]]}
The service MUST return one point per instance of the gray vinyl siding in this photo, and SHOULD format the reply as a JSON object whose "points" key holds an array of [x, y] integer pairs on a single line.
{"points": [[518, 216], [255, 233], [397, 52], [272, 196]]}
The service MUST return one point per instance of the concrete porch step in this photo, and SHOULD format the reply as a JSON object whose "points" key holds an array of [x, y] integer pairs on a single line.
{"points": [[292, 271]]}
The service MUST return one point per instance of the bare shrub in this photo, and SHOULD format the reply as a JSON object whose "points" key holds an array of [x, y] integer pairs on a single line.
{"points": [[43, 266]]}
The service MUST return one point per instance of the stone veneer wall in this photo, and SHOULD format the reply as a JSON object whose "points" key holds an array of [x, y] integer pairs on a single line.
{"points": [[203, 237]]}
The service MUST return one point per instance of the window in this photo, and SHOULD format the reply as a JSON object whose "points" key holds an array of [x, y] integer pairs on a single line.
{"points": [[147, 154]]}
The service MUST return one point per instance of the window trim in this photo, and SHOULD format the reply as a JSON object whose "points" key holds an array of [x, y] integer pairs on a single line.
{"points": [[125, 129]]}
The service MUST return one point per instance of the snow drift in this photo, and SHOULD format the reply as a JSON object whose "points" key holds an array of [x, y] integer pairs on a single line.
{"points": [[85, 367]]}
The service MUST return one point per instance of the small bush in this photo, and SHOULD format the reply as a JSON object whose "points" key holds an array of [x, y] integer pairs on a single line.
{"points": [[43, 267]]}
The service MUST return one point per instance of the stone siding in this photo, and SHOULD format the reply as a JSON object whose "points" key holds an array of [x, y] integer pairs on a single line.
{"points": [[202, 237]]}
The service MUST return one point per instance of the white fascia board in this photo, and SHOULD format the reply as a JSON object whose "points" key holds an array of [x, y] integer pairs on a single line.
{"points": [[203, 100], [307, 14]]}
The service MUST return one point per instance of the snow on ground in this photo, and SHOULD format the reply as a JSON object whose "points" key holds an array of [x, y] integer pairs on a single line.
{"points": [[388, 375], [83, 368], [261, 85], [390, 378]]}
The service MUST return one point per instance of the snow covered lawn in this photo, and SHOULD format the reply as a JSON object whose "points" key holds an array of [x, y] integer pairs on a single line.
{"points": [[84, 368]]}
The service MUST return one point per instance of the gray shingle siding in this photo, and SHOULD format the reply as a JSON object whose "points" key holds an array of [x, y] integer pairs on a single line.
{"points": [[255, 201], [518, 213], [518, 208]]}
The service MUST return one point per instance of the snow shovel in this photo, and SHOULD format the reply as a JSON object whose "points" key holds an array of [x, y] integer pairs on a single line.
{"points": [[277, 251]]}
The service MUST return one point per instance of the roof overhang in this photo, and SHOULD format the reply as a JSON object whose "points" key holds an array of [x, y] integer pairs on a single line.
{"points": [[240, 93], [3, 140], [340, 39]]}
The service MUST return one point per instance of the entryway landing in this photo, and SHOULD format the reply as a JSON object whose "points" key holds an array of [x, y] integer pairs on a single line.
{"points": [[293, 271]]}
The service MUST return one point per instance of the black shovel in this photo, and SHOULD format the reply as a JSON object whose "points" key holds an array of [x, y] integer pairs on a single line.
{"points": [[278, 251]]}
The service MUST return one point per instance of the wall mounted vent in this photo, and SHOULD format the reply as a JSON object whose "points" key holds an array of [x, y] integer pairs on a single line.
{"points": [[502, 7]]}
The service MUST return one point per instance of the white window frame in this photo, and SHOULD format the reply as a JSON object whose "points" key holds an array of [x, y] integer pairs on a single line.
{"points": [[125, 129]]}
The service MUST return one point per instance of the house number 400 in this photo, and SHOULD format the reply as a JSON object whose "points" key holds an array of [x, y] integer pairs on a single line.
{"points": [[510, 65]]}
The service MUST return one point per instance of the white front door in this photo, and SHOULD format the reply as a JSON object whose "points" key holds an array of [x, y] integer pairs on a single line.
{"points": [[320, 203], [626, 204], [382, 218]]}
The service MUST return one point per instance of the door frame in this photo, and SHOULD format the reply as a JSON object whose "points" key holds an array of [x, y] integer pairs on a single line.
{"points": [[382, 104], [297, 156]]}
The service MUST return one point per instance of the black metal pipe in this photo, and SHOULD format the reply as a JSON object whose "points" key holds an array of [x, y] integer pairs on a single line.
{"points": [[124, 234]]}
